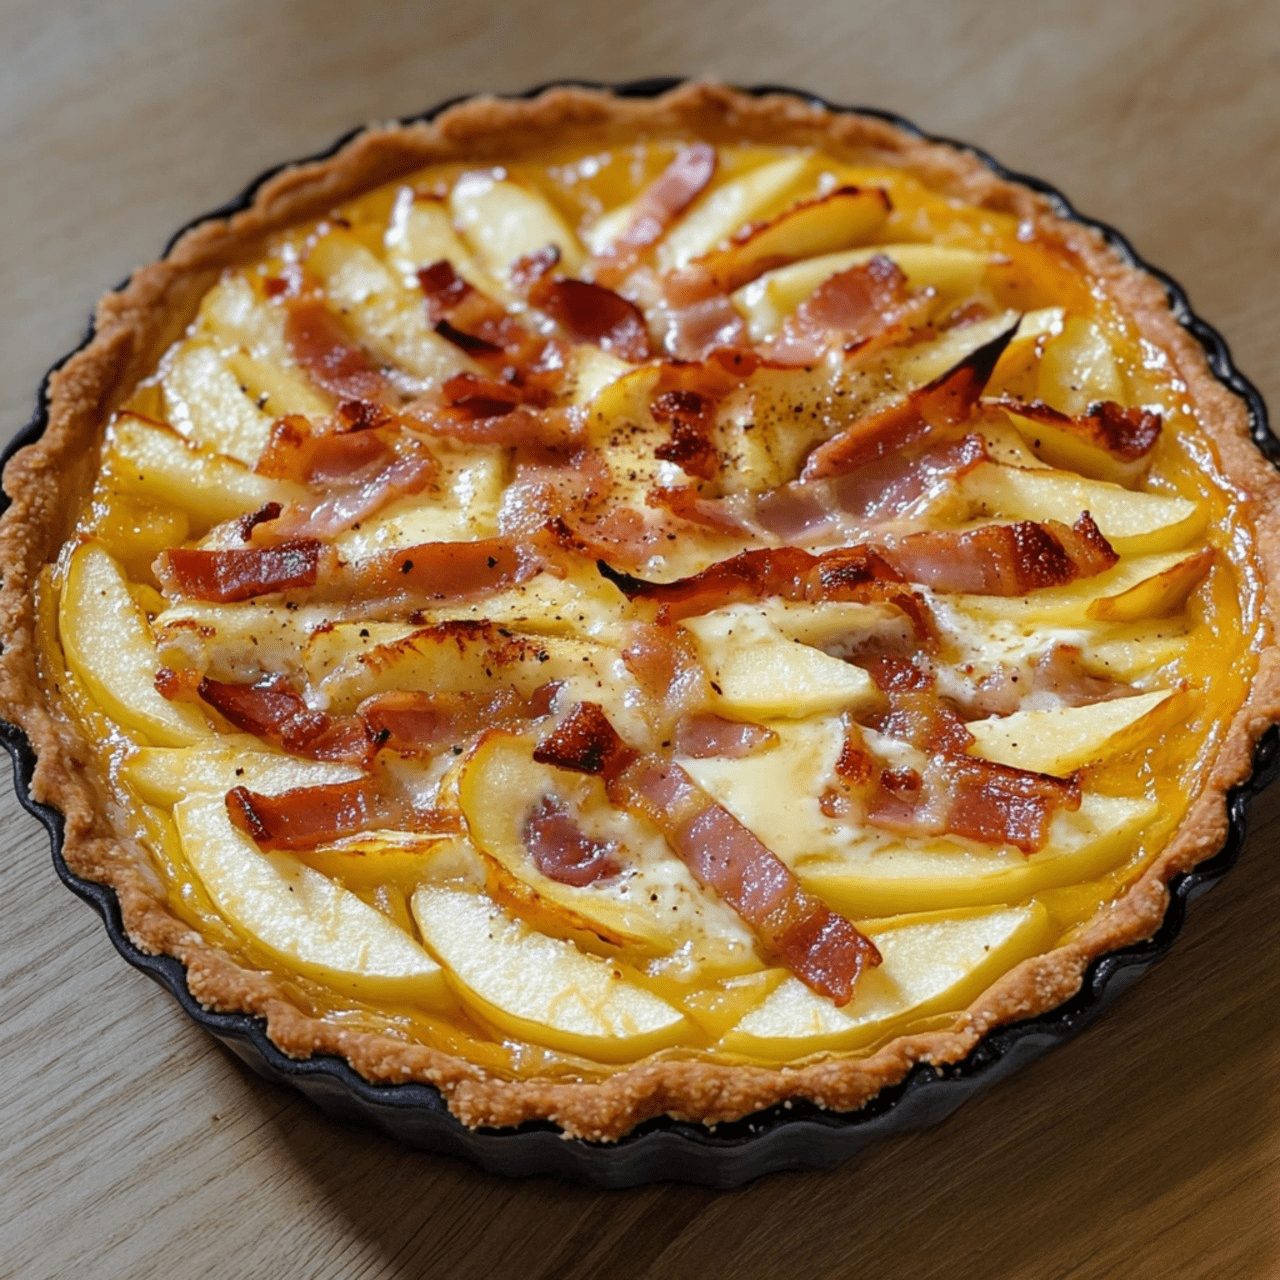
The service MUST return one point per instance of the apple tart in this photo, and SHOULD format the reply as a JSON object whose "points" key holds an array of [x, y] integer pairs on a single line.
{"points": [[615, 608]]}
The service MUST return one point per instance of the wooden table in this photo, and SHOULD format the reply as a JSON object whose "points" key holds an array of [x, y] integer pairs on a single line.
{"points": [[134, 1146]]}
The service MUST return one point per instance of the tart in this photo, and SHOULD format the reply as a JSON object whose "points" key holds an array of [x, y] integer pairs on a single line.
{"points": [[615, 608]]}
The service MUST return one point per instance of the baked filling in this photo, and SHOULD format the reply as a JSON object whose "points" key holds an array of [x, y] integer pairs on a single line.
{"points": [[653, 603]]}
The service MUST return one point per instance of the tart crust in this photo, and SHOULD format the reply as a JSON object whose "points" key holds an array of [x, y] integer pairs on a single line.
{"points": [[47, 480]]}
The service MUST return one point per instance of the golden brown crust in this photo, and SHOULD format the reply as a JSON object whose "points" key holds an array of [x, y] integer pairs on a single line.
{"points": [[133, 326]]}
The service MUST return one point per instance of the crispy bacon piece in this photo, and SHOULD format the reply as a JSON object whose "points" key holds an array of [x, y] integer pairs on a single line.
{"points": [[821, 948], [947, 401], [436, 571], [414, 720], [851, 308], [560, 849], [705, 734], [510, 427], [309, 816], [847, 573], [689, 414], [240, 573], [592, 313], [657, 206], [274, 710], [1003, 559], [1126, 433], [321, 344]]}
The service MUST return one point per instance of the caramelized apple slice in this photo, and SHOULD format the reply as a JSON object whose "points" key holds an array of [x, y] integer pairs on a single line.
{"points": [[316, 927], [844, 217], [541, 990], [1107, 443], [933, 964], [109, 646], [1064, 739], [1158, 595], [724, 209]]}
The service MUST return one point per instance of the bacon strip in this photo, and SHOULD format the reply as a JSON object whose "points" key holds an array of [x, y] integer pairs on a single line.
{"points": [[438, 571], [592, 313], [321, 344], [821, 948], [417, 721], [848, 573], [240, 573], [1003, 559], [705, 734], [274, 710], [560, 849], [1126, 434], [664, 200], [306, 817], [947, 401]]}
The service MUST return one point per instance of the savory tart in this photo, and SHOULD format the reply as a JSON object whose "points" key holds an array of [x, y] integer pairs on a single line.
{"points": [[615, 607]]}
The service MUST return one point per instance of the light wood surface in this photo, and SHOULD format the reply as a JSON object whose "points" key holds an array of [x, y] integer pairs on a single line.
{"points": [[133, 1146]]}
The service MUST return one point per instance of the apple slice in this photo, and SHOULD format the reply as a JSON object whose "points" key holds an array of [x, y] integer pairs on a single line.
{"points": [[1136, 587], [420, 233], [236, 315], [770, 299], [844, 217], [109, 646], [323, 930], [1157, 595], [1064, 739], [206, 402], [718, 213], [933, 964], [915, 366], [447, 658], [276, 389], [385, 316], [1068, 443], [757, 672], [165, 775], [1079, 368], [653, 903], [1135, 523], [1135, 651], [539, 989], [504, 221], [152, 460]]}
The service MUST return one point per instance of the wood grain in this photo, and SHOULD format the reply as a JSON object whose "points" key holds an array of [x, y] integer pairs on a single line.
{"points": [[134, 1146]]}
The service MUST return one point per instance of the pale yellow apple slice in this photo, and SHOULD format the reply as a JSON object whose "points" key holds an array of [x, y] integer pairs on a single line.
{"points": [[421, 233], [757, 672], [1133, 652], [916, 365], [109, 646], [654, 905], [1064, 739], [385, 316], [767, 301], [327, 932], [1135, 523], [165, 775], [205, 401], [153, 461], [717, 214], [1136, 587], [276, 389], [236, 315], [504, 221], [539, 989], [235, 642], [844, 217], [933, 965], [1158, 595], [1079, 368]]}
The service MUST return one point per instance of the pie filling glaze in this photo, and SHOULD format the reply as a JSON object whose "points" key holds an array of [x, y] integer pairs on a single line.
{"points": [[645, 624]]}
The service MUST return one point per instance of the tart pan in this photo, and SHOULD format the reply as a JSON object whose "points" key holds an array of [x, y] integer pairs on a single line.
{"points": [[789, 1136]]}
